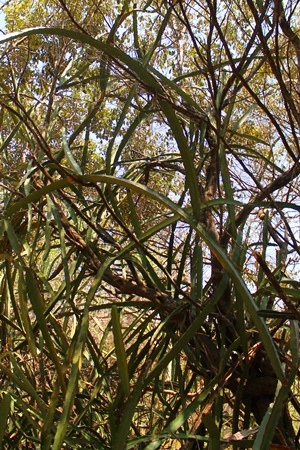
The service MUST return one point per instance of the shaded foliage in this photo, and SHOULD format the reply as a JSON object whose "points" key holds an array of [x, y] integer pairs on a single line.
{"points": [[150, 225]]}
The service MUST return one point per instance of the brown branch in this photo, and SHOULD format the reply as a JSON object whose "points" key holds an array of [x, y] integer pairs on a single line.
{"points": [[290, 105], [273, 281], [280, 182], [279, 16], [160, 299], [71, 17]]}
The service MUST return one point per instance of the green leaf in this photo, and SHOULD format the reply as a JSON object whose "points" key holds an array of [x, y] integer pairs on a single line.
{"points": [[69, 155], [120, 351], [39, 308], [72, 387], [5, 409], [186, 154], [270, 421], [24, 311], [37, 195]]}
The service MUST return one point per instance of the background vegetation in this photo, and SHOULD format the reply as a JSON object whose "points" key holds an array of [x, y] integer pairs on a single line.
{"points": [[150, 224]]}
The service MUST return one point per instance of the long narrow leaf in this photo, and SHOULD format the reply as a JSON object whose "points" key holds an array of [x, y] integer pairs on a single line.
{"points": [[120, 351], [39, 308]]}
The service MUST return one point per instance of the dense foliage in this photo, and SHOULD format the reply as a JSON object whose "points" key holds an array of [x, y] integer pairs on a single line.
{"points": [[149, 229]]}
